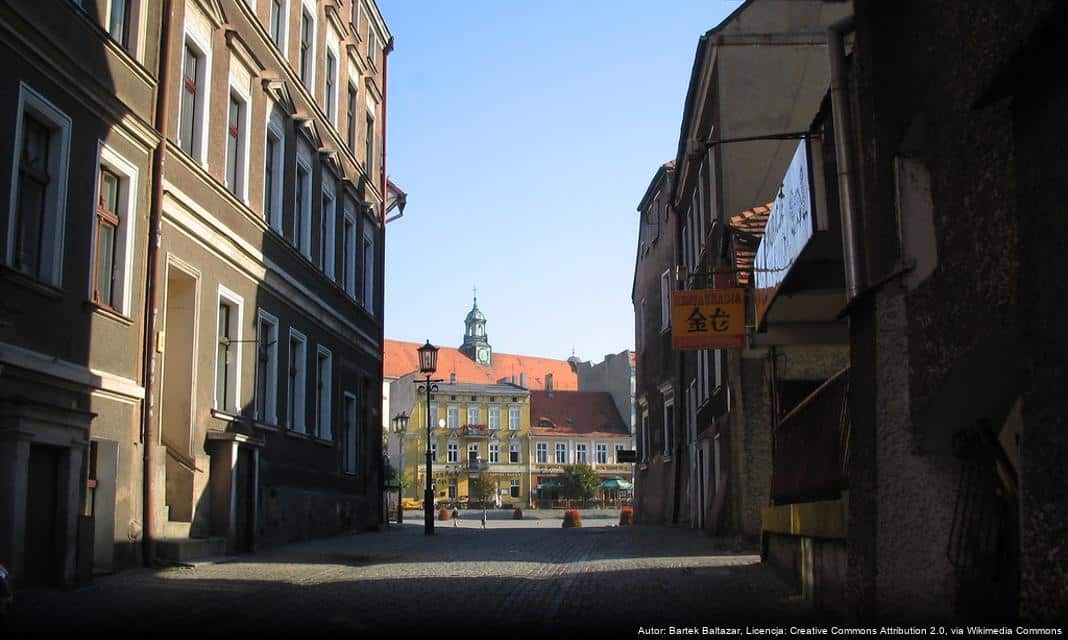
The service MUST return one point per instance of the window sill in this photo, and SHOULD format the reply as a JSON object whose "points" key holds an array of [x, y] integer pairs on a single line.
{"points": [[322, 442], [107, 312], [226, 417], [29, 282], [265, 426], [299, 435]]}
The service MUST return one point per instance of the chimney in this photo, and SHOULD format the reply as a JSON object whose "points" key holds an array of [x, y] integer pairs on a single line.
{"points": [[523, 380], [452, 378], [549, 382]]}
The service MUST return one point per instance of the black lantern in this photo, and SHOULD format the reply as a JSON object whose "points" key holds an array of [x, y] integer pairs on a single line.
{"points": [[400, 422], [428, 358]]}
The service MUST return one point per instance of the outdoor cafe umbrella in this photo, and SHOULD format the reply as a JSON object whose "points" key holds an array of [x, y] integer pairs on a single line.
{"points": [[617, 484]]}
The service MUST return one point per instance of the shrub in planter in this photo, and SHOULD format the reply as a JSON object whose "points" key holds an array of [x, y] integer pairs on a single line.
{"points": [[626, 516], [443, 514], [572, 518], [517, 514]]}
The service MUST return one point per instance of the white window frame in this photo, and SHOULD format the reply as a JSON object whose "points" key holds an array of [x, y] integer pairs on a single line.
{"points": [[201, 43], [270, 403], [232, 405], [433, 416], [494, 418], [55, 213], [476, 412], [368, 269], [665, 301], [557, 448], [541, 452], [283, 35], [515, 417], [309, 6], [669, 440], [600, 453], [351, 440], [327, 252], [372, 44], [472, 447], [243, 96], [619, 447], [323, 403], [582, 453], [718, 367], [276, 128], [452, 452], [495, 453], [304, 209], [513, 447], [350, 255], [452, 410], [646, 436], [691, 395], [108, 158], [332, 107], [434, 450], [296, 398]]}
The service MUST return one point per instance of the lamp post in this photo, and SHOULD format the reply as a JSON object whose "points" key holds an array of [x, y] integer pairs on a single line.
{"points": [[428, 364], [400, 426]]}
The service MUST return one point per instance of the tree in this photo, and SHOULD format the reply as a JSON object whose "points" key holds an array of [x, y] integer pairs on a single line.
{"points": [[578, 482], [483, 487]]}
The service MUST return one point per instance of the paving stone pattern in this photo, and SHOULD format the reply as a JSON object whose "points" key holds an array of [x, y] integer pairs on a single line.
{"points": [[527, 578]]}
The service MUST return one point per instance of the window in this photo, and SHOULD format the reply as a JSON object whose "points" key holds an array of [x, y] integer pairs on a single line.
{"points": [[278, 21], [515, 489], [235, 147], [274, 161], [453, 453], [494, 452], [112, 275], [327, 221], [350, 436], [472, 452], [473, 415], [495, 418], [191, 124], [307, 52], [372, 44], [369, 146], [669, 426], [433, 450], [295, 387], [645, 436], [348, 250], [561, 453], [513, 418], [719, 368], [302, 211], [356, 15], [331, 86], [119, 22], [323, 393], [580, 454], [433, 416], [368, 266], [641, 324], [454, 418], [602, 454], [541, 452], [619, 448], [350, 118], [665, 300], [228, 352], [513, 453], [266, 368], [39, 188]]}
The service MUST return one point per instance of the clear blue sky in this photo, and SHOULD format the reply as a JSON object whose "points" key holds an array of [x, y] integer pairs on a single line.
{"points": [[525, 132]]}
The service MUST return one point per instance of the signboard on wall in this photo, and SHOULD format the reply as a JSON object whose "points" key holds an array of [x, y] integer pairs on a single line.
{"points": [[790, 227], [708, 319]]}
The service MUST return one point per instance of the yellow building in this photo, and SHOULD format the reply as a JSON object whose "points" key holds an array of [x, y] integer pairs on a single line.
{"points": [[475, 428]]}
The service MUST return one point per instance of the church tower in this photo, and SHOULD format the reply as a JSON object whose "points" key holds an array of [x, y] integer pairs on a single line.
{"points": [[476, 344]]}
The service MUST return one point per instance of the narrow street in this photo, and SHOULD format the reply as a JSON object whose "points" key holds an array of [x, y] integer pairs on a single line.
{"points": [[527, 577]]}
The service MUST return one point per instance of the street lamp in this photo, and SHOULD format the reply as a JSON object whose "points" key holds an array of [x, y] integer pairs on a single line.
{"points": [[400, 426], [428, 364]]}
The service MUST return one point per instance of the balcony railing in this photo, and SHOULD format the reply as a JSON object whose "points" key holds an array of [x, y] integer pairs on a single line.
{"points": [[810, 446], [476, 431]]}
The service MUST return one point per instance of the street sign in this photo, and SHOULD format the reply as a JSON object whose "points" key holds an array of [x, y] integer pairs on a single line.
{"points": [[708, 319], [626, 455]]}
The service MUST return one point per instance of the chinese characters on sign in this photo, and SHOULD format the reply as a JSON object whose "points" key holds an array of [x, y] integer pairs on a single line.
{"points": [[708, 319]]}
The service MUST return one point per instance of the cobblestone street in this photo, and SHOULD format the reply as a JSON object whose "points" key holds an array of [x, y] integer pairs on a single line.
{"points": [[526, 577]]}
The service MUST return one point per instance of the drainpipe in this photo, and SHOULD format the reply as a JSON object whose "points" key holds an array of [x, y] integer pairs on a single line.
{"points": [[149, 430], [843, 135], [382, 269]]}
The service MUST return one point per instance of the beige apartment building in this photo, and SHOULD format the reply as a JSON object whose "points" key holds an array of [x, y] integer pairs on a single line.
{"points": [[191, 326]]}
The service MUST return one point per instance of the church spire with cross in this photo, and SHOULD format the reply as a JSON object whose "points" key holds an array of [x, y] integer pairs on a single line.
{"points": [[476, 343]]}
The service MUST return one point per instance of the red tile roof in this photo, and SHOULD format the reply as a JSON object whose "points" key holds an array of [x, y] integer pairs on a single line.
{"points": [[587, 413], [749, 226], [400, 358]]}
